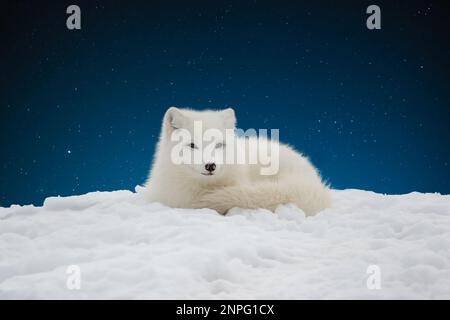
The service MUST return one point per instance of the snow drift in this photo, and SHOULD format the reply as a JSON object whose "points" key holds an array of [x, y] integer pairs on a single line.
{"points": [[127, 248]]}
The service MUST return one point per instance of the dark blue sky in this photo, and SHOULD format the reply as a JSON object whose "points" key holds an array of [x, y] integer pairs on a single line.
{"points": [[81, 110]]}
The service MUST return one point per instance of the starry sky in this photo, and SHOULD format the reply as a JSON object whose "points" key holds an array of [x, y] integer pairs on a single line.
{"points": [[81, 109]]}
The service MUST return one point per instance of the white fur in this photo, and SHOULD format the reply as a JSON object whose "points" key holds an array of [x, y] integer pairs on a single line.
{"points": [[183, 186]]}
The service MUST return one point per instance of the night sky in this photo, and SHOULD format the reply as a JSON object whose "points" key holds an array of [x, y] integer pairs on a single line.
{"points": [[81, 110]]}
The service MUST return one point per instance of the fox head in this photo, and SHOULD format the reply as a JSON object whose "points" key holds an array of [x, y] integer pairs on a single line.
{"points": [[196, 142]]}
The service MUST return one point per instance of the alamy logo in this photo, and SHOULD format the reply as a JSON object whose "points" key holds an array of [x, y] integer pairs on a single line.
{"points": [[229, 147], [74, 277], [374, 279], [73, 22], [374, 20]]}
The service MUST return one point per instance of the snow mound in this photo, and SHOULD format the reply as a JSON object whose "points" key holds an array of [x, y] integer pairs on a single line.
{"points": [[127, 248]]}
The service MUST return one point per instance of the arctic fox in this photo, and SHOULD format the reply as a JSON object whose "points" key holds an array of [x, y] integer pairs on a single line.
{"points": [[219, 185]]}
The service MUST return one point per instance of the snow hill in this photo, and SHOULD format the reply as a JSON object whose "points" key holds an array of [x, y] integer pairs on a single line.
{"points": [[127, 248]]}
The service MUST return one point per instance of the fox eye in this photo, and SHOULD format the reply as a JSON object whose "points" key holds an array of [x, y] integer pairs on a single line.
{"points": [[220, 145], [192, 145]]}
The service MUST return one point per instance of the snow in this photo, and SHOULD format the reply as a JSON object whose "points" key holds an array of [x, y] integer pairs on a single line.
{"points": [[128, 248]]}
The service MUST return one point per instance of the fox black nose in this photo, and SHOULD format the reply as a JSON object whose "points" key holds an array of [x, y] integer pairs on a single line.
{"points": [[210, 167]]}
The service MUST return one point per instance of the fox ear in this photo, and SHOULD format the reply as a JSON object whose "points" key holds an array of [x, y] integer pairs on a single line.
{"points": [[230, 118], [173, 119]]}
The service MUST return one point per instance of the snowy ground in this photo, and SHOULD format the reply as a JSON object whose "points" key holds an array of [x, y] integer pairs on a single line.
{"points": [[127, 248]]}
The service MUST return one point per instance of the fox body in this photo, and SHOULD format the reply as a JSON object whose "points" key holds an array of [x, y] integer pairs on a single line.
{"points": [[220, 185]]}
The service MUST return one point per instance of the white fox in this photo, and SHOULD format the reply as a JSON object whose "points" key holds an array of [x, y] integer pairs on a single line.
{"points": [[219, 185]]}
